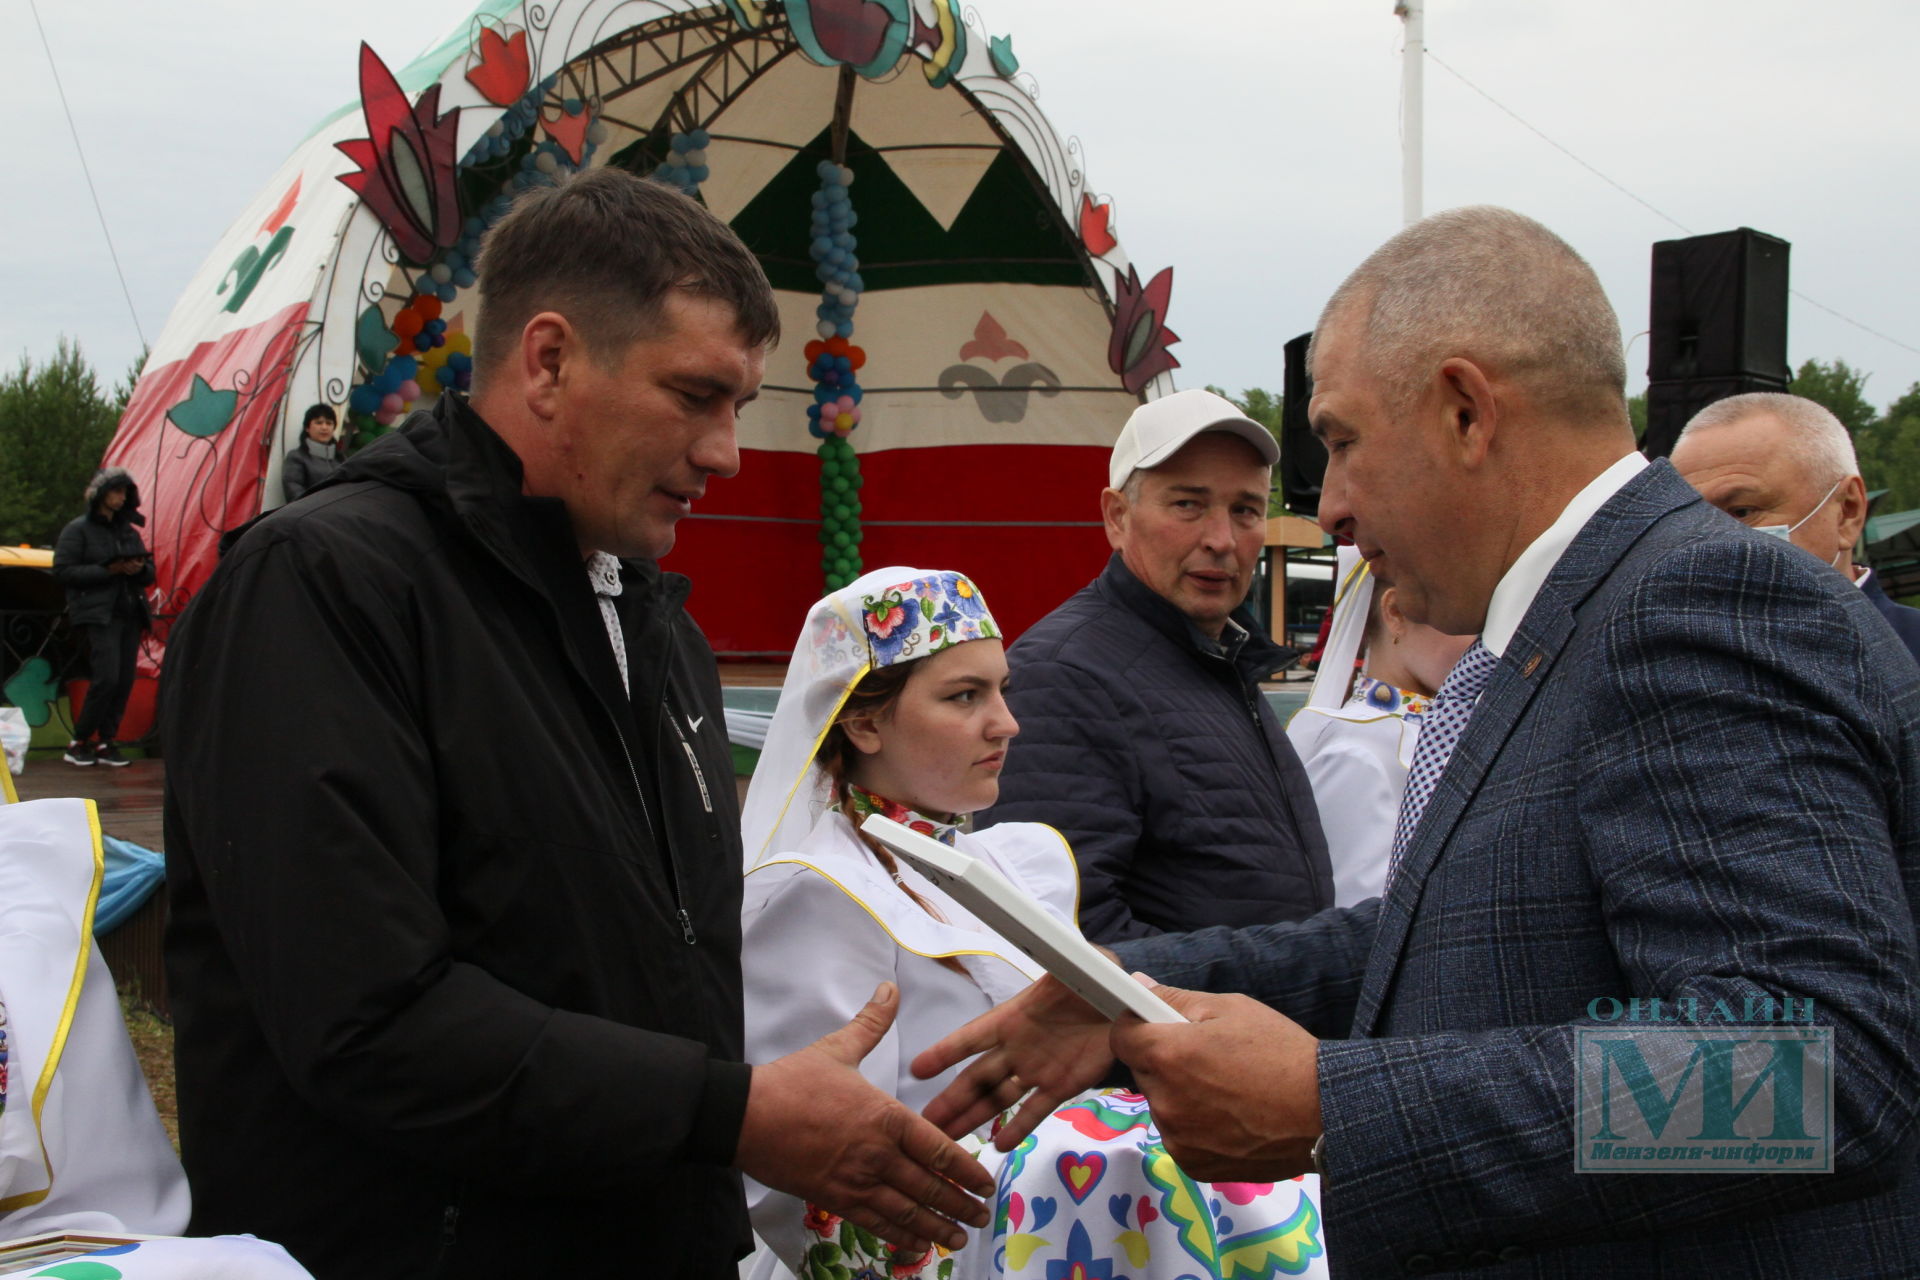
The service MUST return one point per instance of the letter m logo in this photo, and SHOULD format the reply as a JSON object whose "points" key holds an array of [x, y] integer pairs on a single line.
{"points": [[1697, 1099]]}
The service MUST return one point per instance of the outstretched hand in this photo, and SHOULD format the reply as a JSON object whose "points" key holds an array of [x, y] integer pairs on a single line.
{"points": [[1235, 1089], [1046, 1040], [816, 1128]]}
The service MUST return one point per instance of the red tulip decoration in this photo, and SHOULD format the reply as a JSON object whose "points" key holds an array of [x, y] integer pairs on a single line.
{"points": [[406, 161], [1138, 349]]}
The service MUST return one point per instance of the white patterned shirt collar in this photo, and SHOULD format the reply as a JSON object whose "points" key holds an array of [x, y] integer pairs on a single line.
{"points": [[603, 574], [1522, 582]]}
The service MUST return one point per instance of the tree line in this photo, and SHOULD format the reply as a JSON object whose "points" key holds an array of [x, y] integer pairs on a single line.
{"points": [[1887, 441], [55, 422]]}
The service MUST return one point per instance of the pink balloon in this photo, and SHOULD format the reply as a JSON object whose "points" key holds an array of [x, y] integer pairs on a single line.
{"points": [[392, 403], [845, 403], [854, 413], [409, 390], [387, 417]]}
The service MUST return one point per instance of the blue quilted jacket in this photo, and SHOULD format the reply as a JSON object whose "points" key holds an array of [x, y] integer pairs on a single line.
{"points": [[1162, 765]]}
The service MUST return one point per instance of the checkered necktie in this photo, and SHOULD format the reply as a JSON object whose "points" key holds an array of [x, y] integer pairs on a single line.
{"points": [[1446, 719]]}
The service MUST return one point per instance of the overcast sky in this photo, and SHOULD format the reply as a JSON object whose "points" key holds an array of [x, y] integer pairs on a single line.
{"points": [[1252, 144]]}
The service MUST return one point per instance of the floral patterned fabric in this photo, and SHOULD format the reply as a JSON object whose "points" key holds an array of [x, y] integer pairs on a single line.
{"points": [[1378, 695], [862, 803], [925, 615], [1093, 1195]]}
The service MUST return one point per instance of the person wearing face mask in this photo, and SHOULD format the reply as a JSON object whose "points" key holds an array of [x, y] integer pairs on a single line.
{"points": [[1356, 735], [895, 704], [1785, 466]]}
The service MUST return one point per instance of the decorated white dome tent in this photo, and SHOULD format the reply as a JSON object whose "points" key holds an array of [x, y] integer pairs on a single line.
{"points": [[963, 335]]}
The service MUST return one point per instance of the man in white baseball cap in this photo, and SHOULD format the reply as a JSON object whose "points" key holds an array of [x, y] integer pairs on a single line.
{"points": [[1144, 738]]}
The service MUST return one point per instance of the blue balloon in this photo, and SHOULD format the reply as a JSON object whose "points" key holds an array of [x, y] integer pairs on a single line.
{"points": [[854, 391], [844, 328], [821, 394], [827, 169], [406, 365], [813, 410], [387, 383], [445, 375], [843, 363], [448, 293], [573, 106], [460, 360], [465, 279], [700, 172], [363, 399], [699, 138]]}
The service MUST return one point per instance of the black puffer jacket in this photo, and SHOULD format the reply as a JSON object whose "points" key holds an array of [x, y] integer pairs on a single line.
{"points": [[89, 543], [454, 952], [1162, 765]]}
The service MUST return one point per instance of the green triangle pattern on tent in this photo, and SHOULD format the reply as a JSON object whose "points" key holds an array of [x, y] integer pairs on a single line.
{"points": [[1006, 232]]}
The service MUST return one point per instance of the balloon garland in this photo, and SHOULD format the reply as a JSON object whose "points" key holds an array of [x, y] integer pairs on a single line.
{"points": [[685, 167], [832, 362]]}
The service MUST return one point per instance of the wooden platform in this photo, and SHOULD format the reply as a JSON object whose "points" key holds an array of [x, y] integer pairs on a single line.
{"points": [[128, 799]]}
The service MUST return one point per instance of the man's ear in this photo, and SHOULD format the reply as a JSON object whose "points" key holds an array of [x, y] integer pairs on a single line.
{"points": [[862, 732], [1114, 510], [1469, 409], [1853, 510], [549, 345]]}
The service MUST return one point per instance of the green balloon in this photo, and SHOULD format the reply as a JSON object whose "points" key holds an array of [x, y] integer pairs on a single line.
{"points": [[841, 539]]}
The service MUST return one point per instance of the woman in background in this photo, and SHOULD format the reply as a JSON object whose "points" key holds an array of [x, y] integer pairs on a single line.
{"points": [[894, 704], [1357, 732]]}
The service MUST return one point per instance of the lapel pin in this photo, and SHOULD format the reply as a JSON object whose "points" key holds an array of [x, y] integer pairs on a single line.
{"points": [[1533, 664]]}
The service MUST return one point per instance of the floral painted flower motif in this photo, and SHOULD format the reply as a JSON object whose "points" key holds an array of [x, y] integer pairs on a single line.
{"points": [[502, 67], [867, 35], [885, 615], [820, 1222], [1080, 1264], [406, 161], [966, 597], [1137, 351]]}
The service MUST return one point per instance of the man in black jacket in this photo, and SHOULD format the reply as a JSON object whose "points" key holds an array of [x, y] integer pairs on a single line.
{"points": [[452, 838], [105, 568], [1144, 736]]}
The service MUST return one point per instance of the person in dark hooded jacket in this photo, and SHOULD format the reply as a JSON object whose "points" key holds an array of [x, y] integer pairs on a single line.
{"points": [[454, 954], [102, 562]]}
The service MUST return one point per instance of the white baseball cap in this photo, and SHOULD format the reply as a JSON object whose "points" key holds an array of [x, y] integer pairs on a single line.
{"points": [[1161, 428]]}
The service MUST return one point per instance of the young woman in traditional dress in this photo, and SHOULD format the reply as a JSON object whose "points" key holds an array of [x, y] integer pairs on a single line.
{"points": [[894, 704]]}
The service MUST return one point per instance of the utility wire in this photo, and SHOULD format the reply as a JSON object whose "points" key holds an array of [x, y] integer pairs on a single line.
{"points": [[98, 212], [1518, 119]]}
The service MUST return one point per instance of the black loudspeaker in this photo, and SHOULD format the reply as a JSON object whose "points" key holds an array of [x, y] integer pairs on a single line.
{"points": [[1303, 459], [1718, 328]]}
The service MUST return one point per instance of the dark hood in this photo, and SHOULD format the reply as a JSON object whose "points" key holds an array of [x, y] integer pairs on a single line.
{"points": [[116, 478]]}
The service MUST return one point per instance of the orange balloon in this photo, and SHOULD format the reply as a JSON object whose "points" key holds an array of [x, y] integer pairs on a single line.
{"points": [[813, 350], [426, 307], [837, 345], [856, 357], [407, 323]]}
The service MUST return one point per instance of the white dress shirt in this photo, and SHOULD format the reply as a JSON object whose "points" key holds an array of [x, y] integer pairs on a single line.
{"points": [[1514, 596]]}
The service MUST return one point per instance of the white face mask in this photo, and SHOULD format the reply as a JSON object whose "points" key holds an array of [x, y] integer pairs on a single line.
{"points": [[1785, 532]]}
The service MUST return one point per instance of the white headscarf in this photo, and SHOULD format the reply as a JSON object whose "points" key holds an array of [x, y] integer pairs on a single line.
{"points": [[889, 616], [1352, 594]]}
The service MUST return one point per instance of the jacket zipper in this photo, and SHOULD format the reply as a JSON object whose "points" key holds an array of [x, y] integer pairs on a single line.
{"points": [[673, 858]]}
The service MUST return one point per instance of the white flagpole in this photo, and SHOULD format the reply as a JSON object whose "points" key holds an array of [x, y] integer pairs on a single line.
{"points": [[1413, 60]]}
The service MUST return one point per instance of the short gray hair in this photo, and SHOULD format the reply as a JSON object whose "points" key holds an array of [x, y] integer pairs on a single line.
{"points": [[1495, 286], [1818, 439]]}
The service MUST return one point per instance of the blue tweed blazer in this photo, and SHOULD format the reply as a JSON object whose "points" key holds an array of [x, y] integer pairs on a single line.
{"points": [[1695, 772]]}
